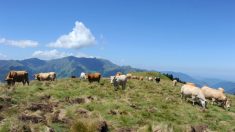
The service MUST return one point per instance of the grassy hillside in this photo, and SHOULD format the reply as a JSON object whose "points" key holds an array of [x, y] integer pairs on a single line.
{"points": [[143, 106]]}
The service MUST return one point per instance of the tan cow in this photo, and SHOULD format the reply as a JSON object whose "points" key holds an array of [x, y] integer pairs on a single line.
{"points": [[194, 93], [17, 76], [94, 77], [217, 96], [141, 78], [128, 76], [50, 76]]}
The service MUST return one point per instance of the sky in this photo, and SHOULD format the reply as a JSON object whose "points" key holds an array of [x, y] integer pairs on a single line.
{"points": [[191, 36]]}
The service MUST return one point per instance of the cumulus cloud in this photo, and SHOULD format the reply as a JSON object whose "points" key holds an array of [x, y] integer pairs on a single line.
{"points": [[80, 37], [50, 54], [2, 56], [19, 43]]}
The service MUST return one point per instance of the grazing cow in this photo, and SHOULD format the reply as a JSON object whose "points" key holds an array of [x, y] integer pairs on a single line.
{"points": [[17, 76], [216, 96], [119, 80], [174, 82], [150, 78], [128, 76], [157, 79], [93, 77], [50, 76], [194, 93]]}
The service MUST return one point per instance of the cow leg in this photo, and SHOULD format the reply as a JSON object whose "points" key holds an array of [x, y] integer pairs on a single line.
{"points": [[193, 99], [212, 101]]}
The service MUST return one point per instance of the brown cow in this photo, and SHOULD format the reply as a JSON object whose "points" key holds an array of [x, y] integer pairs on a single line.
{"points": [[94, 77], [17, 76]]}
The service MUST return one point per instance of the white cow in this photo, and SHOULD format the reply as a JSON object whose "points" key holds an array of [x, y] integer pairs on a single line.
{"points": [[118, 80], [150, 78], [83, 75], [174, 82], [195, 93]]}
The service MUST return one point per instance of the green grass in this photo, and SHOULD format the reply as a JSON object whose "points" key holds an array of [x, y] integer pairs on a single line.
{"points": [[143, 106]]}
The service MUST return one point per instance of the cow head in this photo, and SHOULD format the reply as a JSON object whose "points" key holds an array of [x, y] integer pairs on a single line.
{"points": [[112, 79], [9, 81], [227, 104], [36, 76]]}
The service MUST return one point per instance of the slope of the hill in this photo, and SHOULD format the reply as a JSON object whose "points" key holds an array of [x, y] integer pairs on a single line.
{"points": [[76, 105]]}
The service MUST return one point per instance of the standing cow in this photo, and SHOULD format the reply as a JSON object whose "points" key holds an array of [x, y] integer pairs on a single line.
{"points": [[93, 77], [194, 93], [119, 80], [17, 76], [50, 76], [83, 75], [157, 79]]}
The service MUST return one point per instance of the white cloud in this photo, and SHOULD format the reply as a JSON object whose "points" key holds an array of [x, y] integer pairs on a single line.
{"points": [[2, 56], [80, 37], [84, 55], [19, 43], [50, 54]]}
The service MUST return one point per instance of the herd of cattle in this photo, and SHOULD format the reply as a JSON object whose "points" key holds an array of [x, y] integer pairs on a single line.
{"points": [[188, 90]]}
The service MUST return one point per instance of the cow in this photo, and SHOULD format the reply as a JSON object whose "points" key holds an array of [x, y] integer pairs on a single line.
{"points": [[93, 77], [150, 78], [128, 76], [157, 79], [141, 78], [194, 93], [83, 75], [73, 77], [217, 96], [174, 82], [134, 77], [119, 80], [17, 76], [49, 76]]}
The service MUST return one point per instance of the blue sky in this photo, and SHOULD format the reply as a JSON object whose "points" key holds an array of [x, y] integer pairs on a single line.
{"points": [[191, 36]]}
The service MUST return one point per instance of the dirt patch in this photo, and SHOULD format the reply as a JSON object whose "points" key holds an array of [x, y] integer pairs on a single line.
{"points": [[32, 118], [45, 97], [134, 106], [42, 107], [117, 112], [59, 116]]}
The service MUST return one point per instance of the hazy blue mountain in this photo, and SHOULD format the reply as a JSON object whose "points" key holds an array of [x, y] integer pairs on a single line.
{"points": [[64, 67], [184, 77], [228, 86]]}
